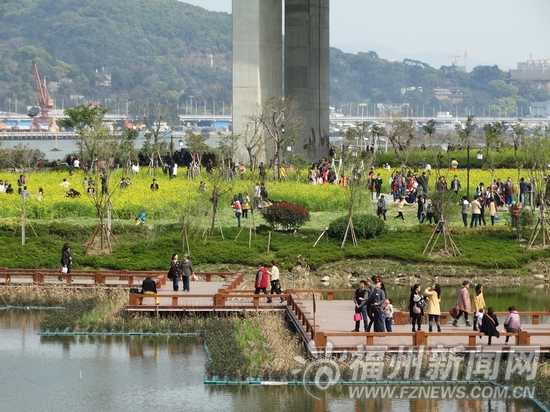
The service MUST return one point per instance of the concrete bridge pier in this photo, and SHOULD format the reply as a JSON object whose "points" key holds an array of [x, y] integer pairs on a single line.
{"points": [[258, 65]]}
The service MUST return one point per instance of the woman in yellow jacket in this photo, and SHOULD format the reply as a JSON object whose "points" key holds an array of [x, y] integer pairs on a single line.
{"points": [[434, 310], [479, 302]]}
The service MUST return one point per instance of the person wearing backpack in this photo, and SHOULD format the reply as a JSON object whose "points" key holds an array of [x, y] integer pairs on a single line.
{"points": [[237, 209]]}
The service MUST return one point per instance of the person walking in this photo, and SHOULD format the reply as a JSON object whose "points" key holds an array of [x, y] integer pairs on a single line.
{"points": [[421, 212], [400, 203], [378, 185], [66, 260], [237, 209], [476, 212], [260, 282], [479, 302], [492, 210], [186, 269], [465, 206], [174, 272], [360, 298], [381, 206], [463, 303], [416, 307], [433, 294], [275, 281], [455, 185]]}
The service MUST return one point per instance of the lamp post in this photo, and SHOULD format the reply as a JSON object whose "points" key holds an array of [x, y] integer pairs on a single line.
{"points": [[479, 156], [362, 106], [468, 174], [171, 145]]}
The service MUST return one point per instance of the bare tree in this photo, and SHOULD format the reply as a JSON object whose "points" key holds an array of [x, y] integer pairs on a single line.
{"points": [[97, 143], [401, 133], [537, 149], [155, 116], [282, 126], [493, 140], [253, 139], [465, 131]]}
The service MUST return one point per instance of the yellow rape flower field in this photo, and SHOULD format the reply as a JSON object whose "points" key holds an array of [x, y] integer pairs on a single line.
{"points": [[181, 196]]}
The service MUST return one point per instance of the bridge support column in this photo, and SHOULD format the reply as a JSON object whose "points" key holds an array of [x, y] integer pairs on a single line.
{"points": [[257, 59], [258, 65], [307, 71]]}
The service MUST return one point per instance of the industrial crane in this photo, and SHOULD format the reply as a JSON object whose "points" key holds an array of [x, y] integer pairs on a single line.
{"points": [[466, 50], [44, 102]]}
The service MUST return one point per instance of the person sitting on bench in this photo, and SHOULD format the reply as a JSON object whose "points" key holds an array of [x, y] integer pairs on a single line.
{"points": [[149, 287]]}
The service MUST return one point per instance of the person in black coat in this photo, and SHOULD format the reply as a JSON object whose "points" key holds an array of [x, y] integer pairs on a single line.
{"points": [[149, 287], [416, 307], [66, 259], [376, 299], [360, 299], [489, 324]]}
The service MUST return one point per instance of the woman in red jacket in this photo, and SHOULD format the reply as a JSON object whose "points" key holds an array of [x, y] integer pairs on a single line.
{"points": [[260, 282]]}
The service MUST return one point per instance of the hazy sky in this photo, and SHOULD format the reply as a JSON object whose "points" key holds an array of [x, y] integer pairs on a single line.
{"points": [[499, 32]]}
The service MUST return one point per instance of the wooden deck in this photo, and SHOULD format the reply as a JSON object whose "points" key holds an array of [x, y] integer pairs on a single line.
{"points": [[333, 319], [330, 327]]}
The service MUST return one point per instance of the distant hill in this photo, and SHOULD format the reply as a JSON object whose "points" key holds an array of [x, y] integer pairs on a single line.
{"points": [[125, 52], [149, 48]]}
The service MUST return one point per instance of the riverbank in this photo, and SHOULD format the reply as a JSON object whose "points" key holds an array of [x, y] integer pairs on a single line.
{"points": [[254, 346]]}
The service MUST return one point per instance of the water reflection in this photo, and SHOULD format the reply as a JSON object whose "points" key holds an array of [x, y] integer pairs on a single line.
{"points": [[121, 373], [524, 298]]}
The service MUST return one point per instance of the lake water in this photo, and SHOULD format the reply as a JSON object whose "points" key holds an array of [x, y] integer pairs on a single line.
{"points": [[113, 373], [524, 298]]}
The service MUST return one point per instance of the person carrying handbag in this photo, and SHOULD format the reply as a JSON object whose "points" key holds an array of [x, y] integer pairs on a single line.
{"points": [[360, 300]]}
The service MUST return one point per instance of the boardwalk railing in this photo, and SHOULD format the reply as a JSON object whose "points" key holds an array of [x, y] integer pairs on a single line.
{"points": [[108, 278], [419, 338]]}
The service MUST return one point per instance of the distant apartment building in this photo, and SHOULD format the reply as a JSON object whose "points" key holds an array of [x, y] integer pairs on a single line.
{"points": [[442, 94], [540, 109], [535, 71]]}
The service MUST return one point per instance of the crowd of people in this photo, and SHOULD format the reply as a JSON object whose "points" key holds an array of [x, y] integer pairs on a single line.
{"points": [[373, 307]]}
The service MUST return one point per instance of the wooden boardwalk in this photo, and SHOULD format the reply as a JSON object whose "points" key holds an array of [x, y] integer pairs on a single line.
{"points": [[328, 327]]}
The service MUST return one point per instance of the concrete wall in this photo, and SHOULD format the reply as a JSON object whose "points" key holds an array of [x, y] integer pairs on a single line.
{"points": [[306, 72], [257, 58], [258, 71]]}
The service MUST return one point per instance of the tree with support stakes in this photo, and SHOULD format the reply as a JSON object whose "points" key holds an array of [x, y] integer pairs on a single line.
{"points": [[155, 117], [493, 140], [351, 168], [538, 149], [97, 144], [444, 204]]}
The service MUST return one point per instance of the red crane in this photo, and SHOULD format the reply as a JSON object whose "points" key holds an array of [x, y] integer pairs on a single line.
{"points": [[44, 102]]}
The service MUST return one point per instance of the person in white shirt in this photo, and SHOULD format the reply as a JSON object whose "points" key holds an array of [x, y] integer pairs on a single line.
{"points": [[76, 163], [65, 184], [2, 187], [275, 281]]}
